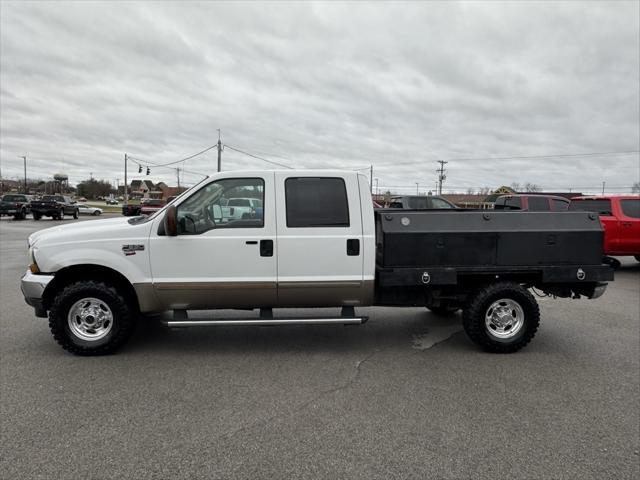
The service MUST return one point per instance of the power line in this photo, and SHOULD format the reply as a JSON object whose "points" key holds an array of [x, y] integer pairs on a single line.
{"points": [[256, 156], [563, 155]]}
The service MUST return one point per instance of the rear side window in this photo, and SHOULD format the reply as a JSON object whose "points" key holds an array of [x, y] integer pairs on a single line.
{"points": [[631, 208], [559, 205], [538, 204], [602, 207], [316, 202], [508, 203]]}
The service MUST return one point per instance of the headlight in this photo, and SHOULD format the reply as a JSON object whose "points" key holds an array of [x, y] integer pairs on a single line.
{"points": [[33, 266]]}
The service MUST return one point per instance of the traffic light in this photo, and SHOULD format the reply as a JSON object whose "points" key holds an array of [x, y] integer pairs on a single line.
{"points": [[139, 168], [148, 171]]}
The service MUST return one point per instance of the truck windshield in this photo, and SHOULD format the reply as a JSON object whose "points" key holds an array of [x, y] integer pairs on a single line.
{"points": [[14, 198]]}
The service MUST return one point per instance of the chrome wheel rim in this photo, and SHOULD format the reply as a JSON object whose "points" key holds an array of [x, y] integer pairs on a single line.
{"points": [[90, 319], [504, 318]]}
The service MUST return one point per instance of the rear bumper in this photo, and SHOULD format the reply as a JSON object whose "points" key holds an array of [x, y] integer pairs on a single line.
{"points": [[33, 287]]}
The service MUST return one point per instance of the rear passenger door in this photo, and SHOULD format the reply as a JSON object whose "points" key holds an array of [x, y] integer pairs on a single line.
{"points": [[319, 247], [630, 226]]}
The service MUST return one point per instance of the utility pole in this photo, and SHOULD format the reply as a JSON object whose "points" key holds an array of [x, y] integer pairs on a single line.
{"points": [[441, 177], [126, 192], [23, 157], [219, 152], [371, 178], [602, 187], [377, 189], [178, 172], [417, 187]]}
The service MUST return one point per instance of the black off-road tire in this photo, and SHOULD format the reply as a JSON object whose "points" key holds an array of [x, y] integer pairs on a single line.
{"points": [[124, 318], [477, 307], [76, 214], [36, 216]]}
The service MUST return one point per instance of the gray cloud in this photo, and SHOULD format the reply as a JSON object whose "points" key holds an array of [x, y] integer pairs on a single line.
{"points": [[396, 85]]}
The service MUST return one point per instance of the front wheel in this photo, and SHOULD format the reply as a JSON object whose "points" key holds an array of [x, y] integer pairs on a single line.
{"points": [[36, 216], [501, 318], [91, 318]]}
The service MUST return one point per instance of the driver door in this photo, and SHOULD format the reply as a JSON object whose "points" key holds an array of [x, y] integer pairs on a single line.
{"points": [[216, 261]]}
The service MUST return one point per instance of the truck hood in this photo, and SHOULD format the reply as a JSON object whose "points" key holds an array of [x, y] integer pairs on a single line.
{"points": [[87, 230]]}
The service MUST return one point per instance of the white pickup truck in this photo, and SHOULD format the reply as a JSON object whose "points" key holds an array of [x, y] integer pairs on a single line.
{"points": [[315, 242]]}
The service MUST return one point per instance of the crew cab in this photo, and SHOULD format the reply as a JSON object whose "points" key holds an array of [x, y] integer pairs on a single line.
{"points": [[55, 206], [315, 242], [620, 218], [532, 203], [16, 205]]}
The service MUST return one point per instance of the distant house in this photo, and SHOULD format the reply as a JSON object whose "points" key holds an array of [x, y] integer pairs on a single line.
{"points": [[167, 191], [143, 189], [469, 200]]}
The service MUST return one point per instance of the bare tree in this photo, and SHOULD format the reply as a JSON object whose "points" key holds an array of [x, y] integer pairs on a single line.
{"points": [[635, 188], [515, 186], [471, 191], [532, 187]]}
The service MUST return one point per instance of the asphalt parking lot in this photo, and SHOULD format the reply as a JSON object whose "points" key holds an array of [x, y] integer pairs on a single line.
{"points": [[405, 395]]}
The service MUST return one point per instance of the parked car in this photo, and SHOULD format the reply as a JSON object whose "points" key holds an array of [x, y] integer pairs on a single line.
{"points": [[82, 199], [16, 205], [532, 203], [93, 279], [620, 218], [111, 201], [420, 202], [55, 206], [239, 208], [87, 210]]}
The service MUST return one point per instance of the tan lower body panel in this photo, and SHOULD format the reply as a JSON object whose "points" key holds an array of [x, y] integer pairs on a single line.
{"points": [[210, 295]]}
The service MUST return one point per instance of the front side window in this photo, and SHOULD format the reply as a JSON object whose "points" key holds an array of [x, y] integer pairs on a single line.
{"points": [[560, 205], [316, 202], [602, 207], [631, 208], [538, 204], [211, 206]]}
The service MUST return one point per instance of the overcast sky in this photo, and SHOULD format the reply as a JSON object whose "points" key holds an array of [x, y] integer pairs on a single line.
{"points": [[396, 85]]}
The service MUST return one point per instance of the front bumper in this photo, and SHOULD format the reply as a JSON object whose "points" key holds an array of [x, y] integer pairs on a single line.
{"points": [[33, 286]]}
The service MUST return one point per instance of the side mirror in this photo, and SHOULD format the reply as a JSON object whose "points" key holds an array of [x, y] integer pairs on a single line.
{"points": [[171, 221], [217, 213]]}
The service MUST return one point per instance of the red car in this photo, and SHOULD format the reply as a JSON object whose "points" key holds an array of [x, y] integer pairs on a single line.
{"points": [[620, 218], [151, 205]]}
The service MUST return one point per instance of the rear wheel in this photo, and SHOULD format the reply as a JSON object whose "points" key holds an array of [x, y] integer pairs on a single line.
{"points": [[612, 262], [501, 318], [76, 214], [36, 216], [91, 318]]}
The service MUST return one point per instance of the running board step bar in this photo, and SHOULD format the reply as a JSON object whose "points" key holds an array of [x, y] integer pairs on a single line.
{"points": [[267, 322]]}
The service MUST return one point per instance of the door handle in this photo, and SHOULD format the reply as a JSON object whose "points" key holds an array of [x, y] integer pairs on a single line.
{"points": [[266, 248], [627, 224], [353, 247], [251, 242]]}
